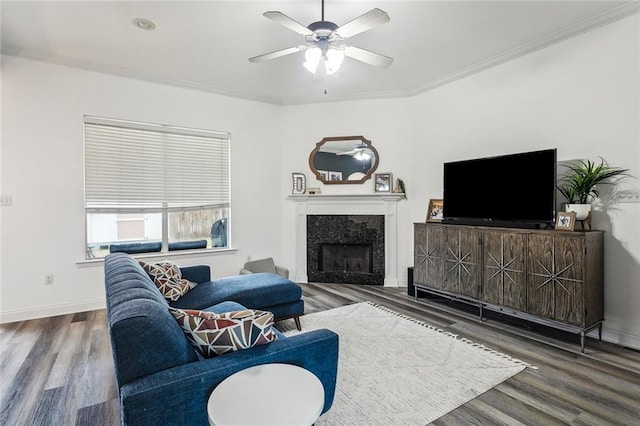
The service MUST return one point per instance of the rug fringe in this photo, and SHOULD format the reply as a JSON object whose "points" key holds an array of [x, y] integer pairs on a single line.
{"points": [[455, 336]]}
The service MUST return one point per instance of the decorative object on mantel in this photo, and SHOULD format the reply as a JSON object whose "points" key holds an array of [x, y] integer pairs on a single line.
{"points": [[313, 191], [383, 182], [399, 188], [580, 185], [434, 212], [566, 221], [299, 183], [343, 160]]}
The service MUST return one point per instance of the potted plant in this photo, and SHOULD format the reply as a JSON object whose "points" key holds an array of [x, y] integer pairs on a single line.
{"points": [[580, 185]]}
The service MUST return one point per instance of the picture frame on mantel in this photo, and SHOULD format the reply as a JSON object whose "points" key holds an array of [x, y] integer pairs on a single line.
{"points": [[434, 212], [383, 182]]}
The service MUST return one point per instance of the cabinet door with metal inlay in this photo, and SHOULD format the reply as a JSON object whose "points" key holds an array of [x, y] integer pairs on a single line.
{"points": [[428, 255], [462, 261], [504, 262], [555, 277]]}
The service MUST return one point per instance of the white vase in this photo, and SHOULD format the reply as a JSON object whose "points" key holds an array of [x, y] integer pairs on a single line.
{"points": [[582, 210]]}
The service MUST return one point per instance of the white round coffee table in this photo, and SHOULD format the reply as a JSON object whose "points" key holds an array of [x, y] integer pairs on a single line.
{"points": [[269, 394]]}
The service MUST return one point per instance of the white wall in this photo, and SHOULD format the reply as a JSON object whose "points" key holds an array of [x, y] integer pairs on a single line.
{"points": [[580, 96], [42, 169]]}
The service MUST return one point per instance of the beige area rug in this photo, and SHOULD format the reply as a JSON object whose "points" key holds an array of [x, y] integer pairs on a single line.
{"points": [[395, 370]]}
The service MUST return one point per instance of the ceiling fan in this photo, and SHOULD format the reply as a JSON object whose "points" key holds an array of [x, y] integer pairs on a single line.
{"points": [[325, 41]]}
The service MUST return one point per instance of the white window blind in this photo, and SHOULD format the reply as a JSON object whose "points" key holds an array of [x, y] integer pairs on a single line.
{"points": [[131, 165]]}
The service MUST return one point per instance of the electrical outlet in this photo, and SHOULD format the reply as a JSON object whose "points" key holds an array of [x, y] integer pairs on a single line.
{"points": [[5, 200], [628, 196], [48, 280]]}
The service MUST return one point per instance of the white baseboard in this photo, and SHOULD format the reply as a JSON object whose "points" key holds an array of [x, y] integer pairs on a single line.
{"points": [[51, 310], [619, 338]]}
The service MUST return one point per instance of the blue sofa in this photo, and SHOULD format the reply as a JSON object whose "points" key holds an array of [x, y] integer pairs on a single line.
{"points": [[161, 378]]}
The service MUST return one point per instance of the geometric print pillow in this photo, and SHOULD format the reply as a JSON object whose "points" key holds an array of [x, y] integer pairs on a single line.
{"points": [[214, 334], [167, 277]]}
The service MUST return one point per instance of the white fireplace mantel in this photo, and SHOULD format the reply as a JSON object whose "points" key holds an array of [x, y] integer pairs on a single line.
{"points": [[357, 204]]}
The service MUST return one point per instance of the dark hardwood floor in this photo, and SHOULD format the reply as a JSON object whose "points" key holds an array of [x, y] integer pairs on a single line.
{"points": [[59, 371]]}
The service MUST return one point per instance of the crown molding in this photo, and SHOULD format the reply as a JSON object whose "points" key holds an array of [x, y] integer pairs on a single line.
{"points": [[628, 9]]}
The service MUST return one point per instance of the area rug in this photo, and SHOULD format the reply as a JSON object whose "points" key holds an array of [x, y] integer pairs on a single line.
{"points": [[395, 370]]}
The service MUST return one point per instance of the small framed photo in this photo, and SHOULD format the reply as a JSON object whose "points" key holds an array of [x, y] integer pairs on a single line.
{"points": [[299, 183], [335, 176], [324, 174], [383, 182], [434, 212], [566, 221]]}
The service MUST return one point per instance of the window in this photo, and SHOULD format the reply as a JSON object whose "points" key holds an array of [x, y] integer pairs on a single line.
{"points": [[154, 188]]}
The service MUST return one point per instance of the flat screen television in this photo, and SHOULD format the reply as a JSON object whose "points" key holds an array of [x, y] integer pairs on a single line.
{"points": [[515, 190]]}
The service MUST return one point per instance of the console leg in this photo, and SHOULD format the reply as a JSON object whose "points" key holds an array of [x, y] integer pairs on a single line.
{"points": [[600, 333], [582, 341]]}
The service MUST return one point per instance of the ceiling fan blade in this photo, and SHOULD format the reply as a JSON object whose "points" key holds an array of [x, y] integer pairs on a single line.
{"points": [[368, 57], [277, 54], [284, 20], [362, 23]]}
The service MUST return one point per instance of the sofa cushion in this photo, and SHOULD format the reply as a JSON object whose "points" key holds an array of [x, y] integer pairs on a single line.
{"points": [[254, 291], [167, 277], [145, 338], [214, 334]]}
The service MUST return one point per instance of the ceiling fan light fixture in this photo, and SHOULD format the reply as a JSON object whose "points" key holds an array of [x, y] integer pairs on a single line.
{"points": [[312, 56], [333, 60]]}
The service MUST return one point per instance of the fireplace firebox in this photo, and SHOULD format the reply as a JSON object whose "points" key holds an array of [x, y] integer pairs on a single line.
{"points": [[346, 258], [347, 249]]}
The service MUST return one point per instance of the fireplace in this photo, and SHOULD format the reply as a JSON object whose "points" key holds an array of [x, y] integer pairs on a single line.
{"points": [[383, 204], [346, 249]]}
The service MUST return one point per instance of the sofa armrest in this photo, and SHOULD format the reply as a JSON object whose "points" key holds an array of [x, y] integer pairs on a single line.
{"points": [[176, 394], [196, 273]]}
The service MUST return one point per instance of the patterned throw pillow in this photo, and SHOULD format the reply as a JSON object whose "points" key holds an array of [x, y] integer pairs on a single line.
{"points": [[167, 277], [216, 334]]}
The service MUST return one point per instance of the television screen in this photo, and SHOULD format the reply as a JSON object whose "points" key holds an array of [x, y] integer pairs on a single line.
{"points": [[507, 190]]}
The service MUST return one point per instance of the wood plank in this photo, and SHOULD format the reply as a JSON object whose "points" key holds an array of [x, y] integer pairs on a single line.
{"points": [[105, 414]]}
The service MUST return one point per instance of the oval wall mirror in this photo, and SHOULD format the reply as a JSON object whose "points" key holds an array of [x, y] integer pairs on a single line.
{"points": [[343, 160]]}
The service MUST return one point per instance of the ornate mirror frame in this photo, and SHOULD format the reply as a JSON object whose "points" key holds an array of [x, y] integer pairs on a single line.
{"points": [[332, 164]]}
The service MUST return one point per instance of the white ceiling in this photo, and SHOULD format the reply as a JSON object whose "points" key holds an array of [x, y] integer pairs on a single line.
{"points": [[206, 44]]}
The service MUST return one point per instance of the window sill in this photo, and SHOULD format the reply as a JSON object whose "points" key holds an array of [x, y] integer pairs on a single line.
{"points": [[87, 263]]}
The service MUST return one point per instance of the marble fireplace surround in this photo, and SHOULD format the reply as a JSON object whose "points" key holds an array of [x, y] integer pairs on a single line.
{"points": [[360, 204]]}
